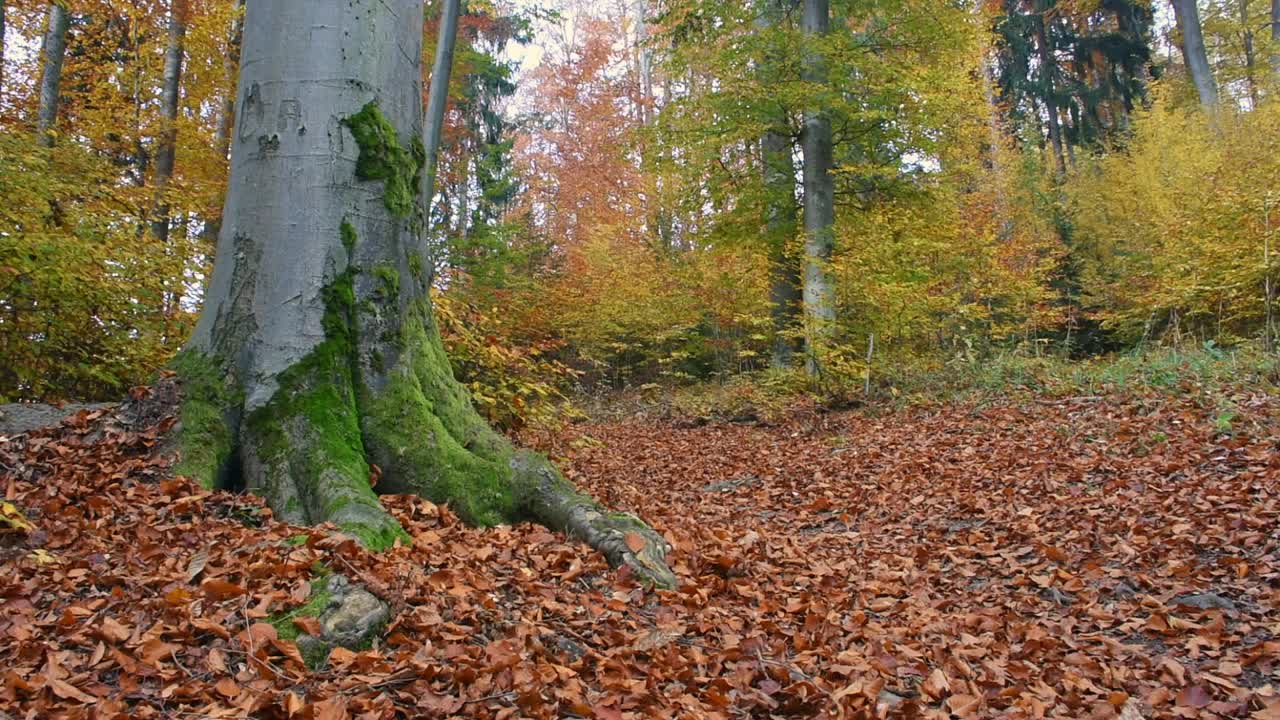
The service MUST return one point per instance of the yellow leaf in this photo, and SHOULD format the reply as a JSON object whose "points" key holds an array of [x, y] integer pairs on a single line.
{"points": [[44, 557], [12, 518]]}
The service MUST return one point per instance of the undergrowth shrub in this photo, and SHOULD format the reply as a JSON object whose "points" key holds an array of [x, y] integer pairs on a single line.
{"points": [[512, 385]]}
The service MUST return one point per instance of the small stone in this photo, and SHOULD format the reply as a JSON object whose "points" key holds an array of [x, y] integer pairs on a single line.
{"points": [[1056, 596], [355, 618], [1205, 601], [888, 700], [1123, 590]]}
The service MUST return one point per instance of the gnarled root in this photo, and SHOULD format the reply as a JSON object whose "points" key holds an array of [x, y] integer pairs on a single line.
{"points": [[622, 538]]}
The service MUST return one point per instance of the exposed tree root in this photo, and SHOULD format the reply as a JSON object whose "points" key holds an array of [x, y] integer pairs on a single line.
{"points": [[308, 452]]}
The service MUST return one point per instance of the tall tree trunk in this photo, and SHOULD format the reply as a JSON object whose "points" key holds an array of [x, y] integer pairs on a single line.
{"points": [[52, 51], [1048, 66], [317, 353], [1250, 61], [779, 179], [2, 46], [995, 136], [643, 60], [227, 111], [166, 148], [780, 233], [819, 197], [438, 95], [1194, 55]]}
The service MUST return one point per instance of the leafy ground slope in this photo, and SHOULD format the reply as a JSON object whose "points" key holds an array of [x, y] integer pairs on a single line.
{"points": [[1081, 558]]}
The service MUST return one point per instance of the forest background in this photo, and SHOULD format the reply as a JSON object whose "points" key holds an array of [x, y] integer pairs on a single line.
{"points": [[1019, 186]]}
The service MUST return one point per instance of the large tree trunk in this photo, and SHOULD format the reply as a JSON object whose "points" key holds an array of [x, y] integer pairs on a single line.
{"points": [[779, 179], [1194, 55], [53, 50], [317, 355], [819, 198]]}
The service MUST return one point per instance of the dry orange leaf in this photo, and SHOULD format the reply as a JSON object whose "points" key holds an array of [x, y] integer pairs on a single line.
{"points": [[635, 541]]}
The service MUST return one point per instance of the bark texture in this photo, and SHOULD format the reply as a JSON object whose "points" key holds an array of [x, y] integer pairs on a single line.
{"points": [[779, 179], [317, 355], [227, 112], [52, 51], [1193, 52], [171, 82], [438, 93], [819, 197]]}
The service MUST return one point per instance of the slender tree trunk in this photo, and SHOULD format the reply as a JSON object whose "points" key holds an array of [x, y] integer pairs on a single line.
{"points": [[166, 150], [1250, 61], [52, 51], [438, 95], [995, 136], [227, 111], [1193, 52], [317, 355], [819, 198], [780, 233], [1048, 65], [2, 46], [779, 178]]}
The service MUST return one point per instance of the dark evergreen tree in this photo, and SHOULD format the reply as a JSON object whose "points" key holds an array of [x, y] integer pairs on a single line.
{"points": [[1076, 74]]}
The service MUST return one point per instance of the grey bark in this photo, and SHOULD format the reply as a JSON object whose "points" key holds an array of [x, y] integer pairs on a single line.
{"points": [[52, 51], [318, 314], [227, 111], [819, 197], [780, 232], [779, 179], [166, 151], [1193, 52], [643, 59], [1250, 59], [438, 95], [305, 68], [995, 136]]}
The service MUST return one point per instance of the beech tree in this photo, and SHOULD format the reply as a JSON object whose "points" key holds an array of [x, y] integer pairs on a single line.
{"points": [[819, 195], [166, 151], [779, 178], [1194, 55], [52, 51], [316, 367]]}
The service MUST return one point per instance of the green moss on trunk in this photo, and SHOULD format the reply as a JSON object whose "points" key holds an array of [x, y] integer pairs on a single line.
{"points": [[308, 439], [205, 441], [421, 430], [383, 158]]}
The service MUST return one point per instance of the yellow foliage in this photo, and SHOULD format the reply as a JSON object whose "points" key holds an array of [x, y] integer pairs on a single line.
{"points": [[1175, 230], [12, 519]]}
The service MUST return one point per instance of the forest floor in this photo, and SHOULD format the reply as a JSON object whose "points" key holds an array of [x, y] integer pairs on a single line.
{"points": [[1074, 557]]}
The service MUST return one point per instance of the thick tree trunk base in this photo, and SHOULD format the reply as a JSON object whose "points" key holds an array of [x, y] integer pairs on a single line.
{"points": [[309, 452]]}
